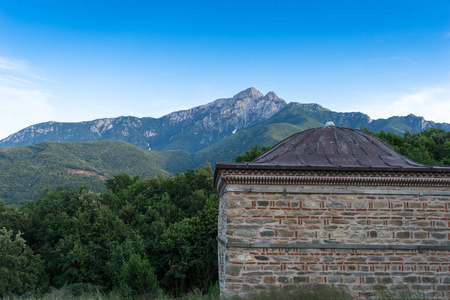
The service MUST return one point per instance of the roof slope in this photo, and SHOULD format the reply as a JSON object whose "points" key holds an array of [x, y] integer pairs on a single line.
{"points": [[333, 148]]}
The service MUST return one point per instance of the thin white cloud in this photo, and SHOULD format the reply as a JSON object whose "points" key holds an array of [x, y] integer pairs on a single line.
{"points": [[13, 65], [14, 80], [431, 103], [22, 100]]}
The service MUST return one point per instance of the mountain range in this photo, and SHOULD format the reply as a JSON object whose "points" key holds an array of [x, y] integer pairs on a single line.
{"points": [[202, 126], [85, 153]]}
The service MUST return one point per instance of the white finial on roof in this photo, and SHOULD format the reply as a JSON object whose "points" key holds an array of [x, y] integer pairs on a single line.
{"points": [[329, 124]]}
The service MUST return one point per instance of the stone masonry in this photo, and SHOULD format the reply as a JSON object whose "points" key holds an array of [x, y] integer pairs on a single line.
{"points": [[323, 218]]}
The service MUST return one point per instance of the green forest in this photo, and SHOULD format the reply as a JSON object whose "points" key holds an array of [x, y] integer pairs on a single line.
{"points": [[140, 236]]}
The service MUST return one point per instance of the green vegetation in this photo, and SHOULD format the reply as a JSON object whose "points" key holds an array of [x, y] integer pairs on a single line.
{"points": [[20, 270], [303, 292], [139, 237], [27, 171], [252, 154], [429, 147]]}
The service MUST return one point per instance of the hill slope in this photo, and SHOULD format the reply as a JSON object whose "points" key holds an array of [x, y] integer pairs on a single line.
{"points": [[27, 171]]}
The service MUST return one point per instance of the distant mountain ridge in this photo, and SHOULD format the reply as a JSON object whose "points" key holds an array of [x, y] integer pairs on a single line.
{"points": [[200, 127]]}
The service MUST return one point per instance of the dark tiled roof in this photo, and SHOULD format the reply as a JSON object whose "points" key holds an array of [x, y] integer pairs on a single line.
{"points": [[333, 148]]}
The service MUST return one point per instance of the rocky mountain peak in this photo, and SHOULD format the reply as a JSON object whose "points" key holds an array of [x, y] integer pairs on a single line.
{"points": [[251, 93], [271, 96]]}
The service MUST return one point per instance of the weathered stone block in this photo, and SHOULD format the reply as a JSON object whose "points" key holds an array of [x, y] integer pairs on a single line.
{"points": [[261, 220], [233, 270], [339, 234], [237, 240], [260, 287], [431, 242], [267, 233], [285, 233], [439, 235], [350, 268], [396, 222], [313, 221], [395, 258], [380, 204], [386, 280], [235, 212], [305, 234], [348, 279], [246, 233], [300, 279], [403, 235], [415, 205], [269, 280], [420, 235], [379, 287], [272, 268], [333, 279], [245, 257], [306, 258], [243, 226], [331, 227], [281, 259], [339, 221], [253, 279], [358, 259], [370, 280], [410, 279], [429, 279], [244, 204], [311, 204], [262, 273], [335, 204], [283, 279], [289, 221]]}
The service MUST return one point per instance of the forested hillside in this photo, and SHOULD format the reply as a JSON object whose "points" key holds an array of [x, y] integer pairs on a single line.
{"points": [[27, 171]]}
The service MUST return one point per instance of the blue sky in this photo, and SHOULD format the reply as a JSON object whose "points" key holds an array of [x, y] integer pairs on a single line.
{"points": [[82, 60]]}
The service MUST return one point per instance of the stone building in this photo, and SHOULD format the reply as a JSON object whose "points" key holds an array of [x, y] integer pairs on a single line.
{"points": [[334, 206]]}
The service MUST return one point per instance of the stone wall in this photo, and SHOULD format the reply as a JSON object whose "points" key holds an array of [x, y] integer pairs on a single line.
{"points": [[318, 226]]}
